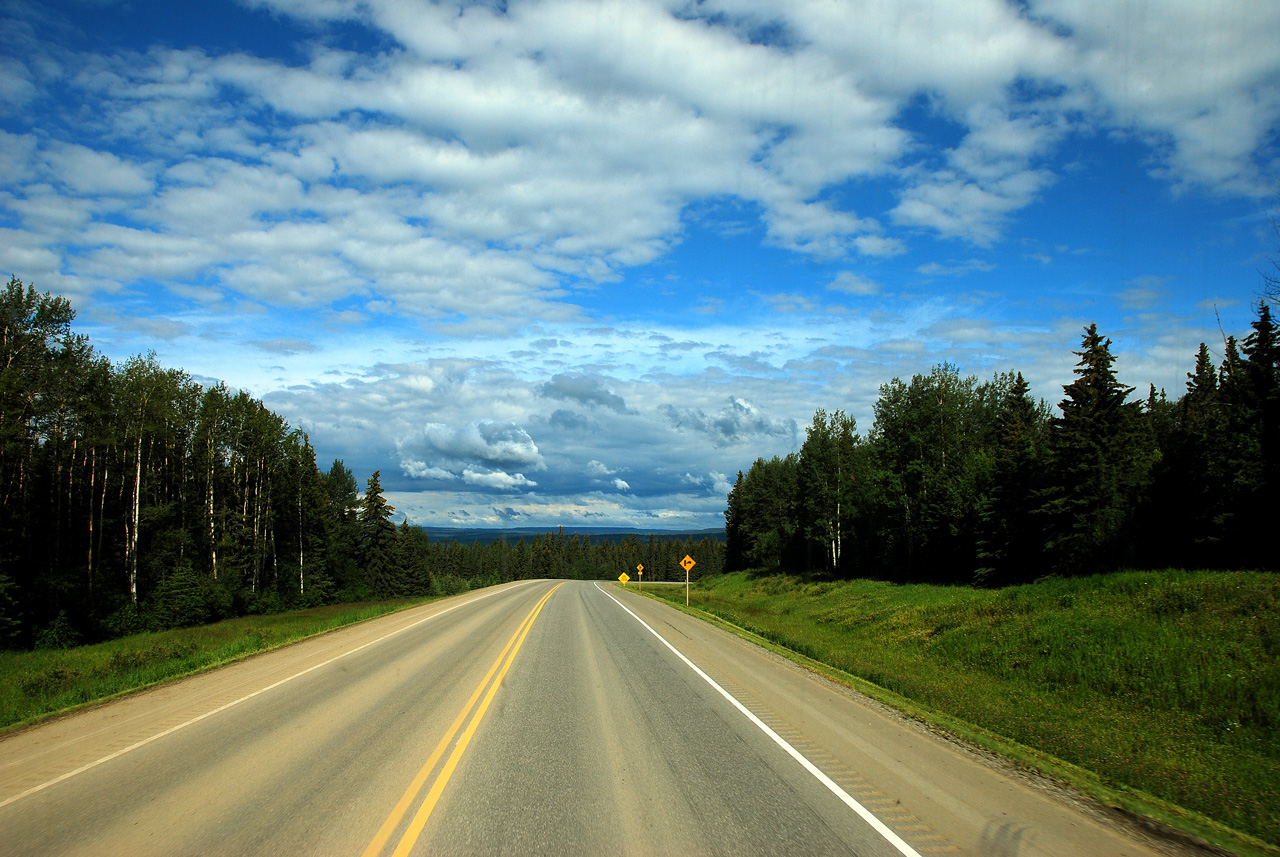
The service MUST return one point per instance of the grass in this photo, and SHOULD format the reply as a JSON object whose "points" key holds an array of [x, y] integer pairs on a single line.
{"points": [[1158, 692], [37, 685]]}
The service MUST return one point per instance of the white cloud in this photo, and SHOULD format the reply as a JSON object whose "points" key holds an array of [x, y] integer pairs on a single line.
{"points": [[854, 284], [91, 172], [498, 479], [735, 423], [1205, 77], [878, 245], [421, 470], [483, 440], [16, 86], [598, 470], [954, 269], [389, 232]]}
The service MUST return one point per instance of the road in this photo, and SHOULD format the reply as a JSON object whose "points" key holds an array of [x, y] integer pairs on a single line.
{"points": [[535, 718]]}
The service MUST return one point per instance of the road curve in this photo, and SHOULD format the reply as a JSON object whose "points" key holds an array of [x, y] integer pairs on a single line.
{"points": [[534, 718]]}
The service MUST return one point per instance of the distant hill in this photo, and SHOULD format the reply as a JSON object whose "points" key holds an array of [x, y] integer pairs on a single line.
{"points": [[596, 535]]}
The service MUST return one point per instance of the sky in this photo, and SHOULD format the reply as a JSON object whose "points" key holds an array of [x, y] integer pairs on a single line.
{"points": [[578, 263]]}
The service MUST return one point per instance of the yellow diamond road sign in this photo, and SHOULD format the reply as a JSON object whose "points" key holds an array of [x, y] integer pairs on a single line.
{"points": [[640, 568], [687, 563], [624, 577]]}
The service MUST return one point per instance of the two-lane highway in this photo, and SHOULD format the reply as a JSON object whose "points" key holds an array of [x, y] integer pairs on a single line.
{"points": [[536, 718]]}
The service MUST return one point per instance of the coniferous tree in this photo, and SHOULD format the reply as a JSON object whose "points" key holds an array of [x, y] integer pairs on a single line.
{"points": [[1240, 465], [734, 535], [1189, 479], [378, 541], [1255, 417], [769, 515], [1010, 549], [415, 548], [1100, 456], [344, 535]]}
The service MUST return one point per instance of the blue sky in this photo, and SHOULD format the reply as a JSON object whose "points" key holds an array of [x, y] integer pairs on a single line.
{"points": [[578, 263]]}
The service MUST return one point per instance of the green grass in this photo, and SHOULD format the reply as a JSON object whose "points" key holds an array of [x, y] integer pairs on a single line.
{"points": [[1159, 690], [36, 685]]}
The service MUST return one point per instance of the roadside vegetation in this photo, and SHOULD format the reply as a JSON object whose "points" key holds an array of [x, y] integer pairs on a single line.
{"points": [[967, 557], [36, 684], [134, 499], [1167, 683], [968, 481]]}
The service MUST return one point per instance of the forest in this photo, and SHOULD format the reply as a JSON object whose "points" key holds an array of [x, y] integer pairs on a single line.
{"points": [[962, 481], [133, 498]]}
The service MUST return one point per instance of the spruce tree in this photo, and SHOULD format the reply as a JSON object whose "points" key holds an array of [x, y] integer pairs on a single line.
{"points": [[1193, 470], [1255, 416], [378, 541], [1011, 545], [734, 535], [1101, 453]]}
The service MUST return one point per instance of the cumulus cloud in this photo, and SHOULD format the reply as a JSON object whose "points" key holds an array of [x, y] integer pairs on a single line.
{"points": [[568, 421], [479, 453], [955, 269], [1202, 79], [853, 284], [421, 470], [583, 389], [497, 479], [497, 155], [736, 422], [715, 482], [598, 470], [436, 229]]}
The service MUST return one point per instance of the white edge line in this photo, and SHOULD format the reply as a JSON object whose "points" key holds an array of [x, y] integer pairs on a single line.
{"points": [[867, 816], [245, 698]]}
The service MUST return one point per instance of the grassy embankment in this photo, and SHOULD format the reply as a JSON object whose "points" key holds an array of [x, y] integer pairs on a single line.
{"points": [[1158, 692], [34, 685]]}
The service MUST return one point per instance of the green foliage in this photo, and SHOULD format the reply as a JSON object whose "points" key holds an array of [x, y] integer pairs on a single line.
{"points": [[383, 571], [961, 481], [831, 483], [133, 499], [10, 619], [762, 516], [58, 635], [1010, 543], [1101, 454], [1168, 682]]}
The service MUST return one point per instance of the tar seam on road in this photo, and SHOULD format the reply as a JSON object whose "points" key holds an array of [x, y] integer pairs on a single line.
{"points": [[221, 708], [420, 818], [834, 787]]}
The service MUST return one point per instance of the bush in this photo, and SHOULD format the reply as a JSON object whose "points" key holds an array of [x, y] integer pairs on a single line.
{"points": [[59, 635], [179, 601]]}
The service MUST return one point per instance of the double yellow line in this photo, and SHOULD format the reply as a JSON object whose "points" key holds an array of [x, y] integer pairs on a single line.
{"points": [[411, 834]]}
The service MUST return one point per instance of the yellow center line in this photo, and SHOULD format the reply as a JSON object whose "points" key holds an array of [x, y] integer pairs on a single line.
{"points": [[397, 813]]}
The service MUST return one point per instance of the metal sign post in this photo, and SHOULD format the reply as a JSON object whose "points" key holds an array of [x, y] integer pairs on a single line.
{"points": [[687, 564]]}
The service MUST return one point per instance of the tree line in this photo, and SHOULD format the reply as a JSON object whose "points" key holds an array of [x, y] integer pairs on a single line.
{"points": [[964, 481], [133, 498]]}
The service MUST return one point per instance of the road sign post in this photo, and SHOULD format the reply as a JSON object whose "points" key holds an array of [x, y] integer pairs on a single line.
{"points": [[687, 564], [640, 571]]}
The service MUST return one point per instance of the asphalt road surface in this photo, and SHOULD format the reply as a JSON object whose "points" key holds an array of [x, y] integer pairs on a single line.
{"points": [[536, 718]]}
